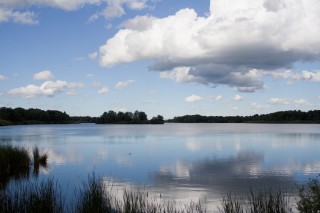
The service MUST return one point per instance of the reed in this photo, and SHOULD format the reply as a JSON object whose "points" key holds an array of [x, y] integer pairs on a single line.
{"points": [[263, 201], [13, 159], [93, 197], [33, 197], [39, 159]]}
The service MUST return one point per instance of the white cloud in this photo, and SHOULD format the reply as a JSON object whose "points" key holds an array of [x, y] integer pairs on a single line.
{"points": [[193, 98], [11, 10], [256, 107], [228, 47], [217, 98], [291, 76], [238, 98], [43, 75], [301, 102], [124, 84], [61, 4], [179, 74], [103, 90], [298, 102], [115, 8], [48, 88], [2, 78], [8, 15], [279, 101], [311, 76], [93, 56]]}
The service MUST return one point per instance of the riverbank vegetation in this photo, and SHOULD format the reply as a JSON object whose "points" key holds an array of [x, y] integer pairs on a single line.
{"points": [[97, 195], [16, 163], [138, 117], [9, 116], [294, 116]]}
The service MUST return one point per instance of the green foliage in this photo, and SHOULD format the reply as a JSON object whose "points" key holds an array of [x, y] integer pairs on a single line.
{"points": [[295, 116], [157, 120], [138, 117], [309, 195], [32, 116]]}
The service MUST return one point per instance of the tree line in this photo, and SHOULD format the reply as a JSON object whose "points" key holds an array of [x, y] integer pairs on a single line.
{"points": [[138, 117], [292, 116], [9, 116]]}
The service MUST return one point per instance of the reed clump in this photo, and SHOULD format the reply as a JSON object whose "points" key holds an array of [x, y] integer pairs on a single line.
{"points": [[33, 197], [13, 159], [270, 201], [15, 163]]}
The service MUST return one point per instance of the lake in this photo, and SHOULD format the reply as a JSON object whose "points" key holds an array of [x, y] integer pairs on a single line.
{"points": [[177, 161]]}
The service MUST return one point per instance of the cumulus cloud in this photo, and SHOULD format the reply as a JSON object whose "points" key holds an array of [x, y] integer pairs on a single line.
{"points": [[124, 84], [301, 102], [10, 10], [93, 56], [60, 4], [279, 101], [257, 107], [298, 102], [291, 76], [103, 90], [231, 46], [9, 15], [193, 98], [238, 98], [48, 88], [217, 98], [43, 75], [2, 78], [115, 7]]}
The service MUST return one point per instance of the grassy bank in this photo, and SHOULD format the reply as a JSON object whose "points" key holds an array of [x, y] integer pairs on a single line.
{"points": [[96, 195]]}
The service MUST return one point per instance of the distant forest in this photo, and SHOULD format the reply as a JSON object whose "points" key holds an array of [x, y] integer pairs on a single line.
{"points": [[9, 116], [294, 116]]}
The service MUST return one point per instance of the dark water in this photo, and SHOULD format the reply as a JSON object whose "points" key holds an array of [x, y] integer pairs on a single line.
{"points": [[180, 161]]}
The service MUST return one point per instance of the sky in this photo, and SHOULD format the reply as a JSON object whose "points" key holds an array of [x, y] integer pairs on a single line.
{"points": [[218, 57]]}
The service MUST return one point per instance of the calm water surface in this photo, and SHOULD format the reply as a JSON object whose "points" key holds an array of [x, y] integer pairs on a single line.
{"points": [[180, 161]]}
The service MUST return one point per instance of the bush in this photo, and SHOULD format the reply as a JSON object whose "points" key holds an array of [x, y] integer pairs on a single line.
{"points": [[309, 195]]}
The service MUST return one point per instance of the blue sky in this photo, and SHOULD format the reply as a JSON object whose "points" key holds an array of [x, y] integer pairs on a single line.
{"points": [[218, 57]]}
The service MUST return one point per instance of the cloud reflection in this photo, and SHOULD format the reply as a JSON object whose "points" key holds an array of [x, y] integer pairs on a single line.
{"points": [[237, 174]]}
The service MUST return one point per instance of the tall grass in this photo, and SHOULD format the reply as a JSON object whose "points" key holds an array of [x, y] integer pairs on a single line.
{"points": [[39, 159], [96, 196], [33, 198], [13, 159], [93, 197], [269, 201], [15, 163]]}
